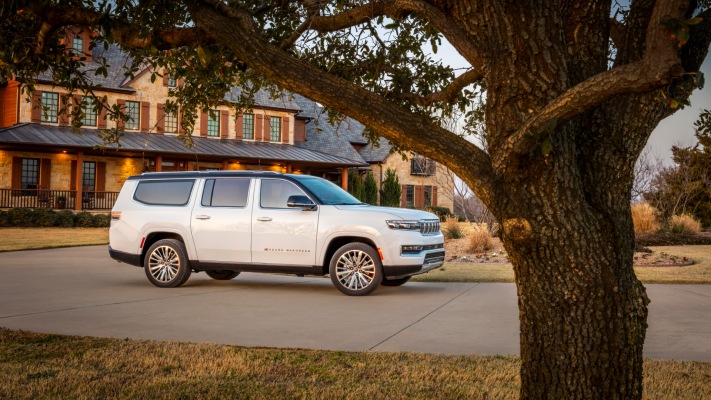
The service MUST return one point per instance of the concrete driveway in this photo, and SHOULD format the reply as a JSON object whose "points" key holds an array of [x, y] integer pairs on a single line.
{"points": [[81, 291]]}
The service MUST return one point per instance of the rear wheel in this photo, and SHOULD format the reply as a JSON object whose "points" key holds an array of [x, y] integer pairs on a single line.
{"points": [[222, 275], [355, 269], [166, 263], [395, 282]]}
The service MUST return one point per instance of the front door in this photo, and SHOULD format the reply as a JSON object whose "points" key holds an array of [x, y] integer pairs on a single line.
{"points": [[221, 221], [282, 235]]}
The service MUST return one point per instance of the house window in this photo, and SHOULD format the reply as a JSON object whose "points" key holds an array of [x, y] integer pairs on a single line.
{"points": [[89, 175], [30, 173], [275, 129], [428, 196], [422, 166], [77, 45], [248, 126], [410, 195], [133, 114], [171, 81], [50, 105], [170, 122], [87, 107], [213, 123]]}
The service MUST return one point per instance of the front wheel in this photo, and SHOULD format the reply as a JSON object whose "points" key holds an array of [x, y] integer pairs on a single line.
{"points": [[395, 282], [222, 275], [355, 269], [166, 263]]}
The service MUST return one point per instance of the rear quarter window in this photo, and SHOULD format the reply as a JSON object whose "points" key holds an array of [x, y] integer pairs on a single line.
{"points": [[164, 193]]}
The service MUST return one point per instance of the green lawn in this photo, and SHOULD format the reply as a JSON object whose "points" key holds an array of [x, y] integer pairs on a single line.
{"points": [[50, 366], [44, 238]]}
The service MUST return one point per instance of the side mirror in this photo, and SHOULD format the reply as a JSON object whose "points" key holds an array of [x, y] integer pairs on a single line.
{"points": [[300, 201]]}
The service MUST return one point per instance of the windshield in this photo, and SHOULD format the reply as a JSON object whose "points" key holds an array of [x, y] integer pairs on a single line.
{"points": [[327, 192]]}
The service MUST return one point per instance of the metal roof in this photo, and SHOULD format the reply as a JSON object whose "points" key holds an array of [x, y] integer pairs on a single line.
{"points": [[38, 134]]}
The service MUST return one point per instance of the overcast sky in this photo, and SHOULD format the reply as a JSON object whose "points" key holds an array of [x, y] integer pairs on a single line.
{"points": [[675, 130]]}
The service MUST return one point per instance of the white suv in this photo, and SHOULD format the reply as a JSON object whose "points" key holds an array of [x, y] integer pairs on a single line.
{"points": [[174, 223]]}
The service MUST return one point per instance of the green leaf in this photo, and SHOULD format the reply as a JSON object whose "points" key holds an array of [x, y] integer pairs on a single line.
{"points": [[700, 80], [201, 56], [694, 21], [546, 147]]}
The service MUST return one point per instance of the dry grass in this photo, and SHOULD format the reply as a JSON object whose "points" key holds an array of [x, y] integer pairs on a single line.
{"points": [[44, 238], [480, 240], [50, 366], [684, 223], [644, 218], [453, 229], [698, 273]]}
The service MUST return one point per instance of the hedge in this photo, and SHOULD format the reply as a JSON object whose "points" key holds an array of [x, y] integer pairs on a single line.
{"points": [[46, 217]]}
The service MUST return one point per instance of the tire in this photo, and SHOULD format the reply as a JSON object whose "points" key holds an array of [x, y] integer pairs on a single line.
{"points": [[395, 282], [355, 269], [166, 263], [223, 275]]}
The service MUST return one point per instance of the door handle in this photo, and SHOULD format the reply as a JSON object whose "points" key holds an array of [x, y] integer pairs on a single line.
{"points": [[202, 217], [264, 219]]}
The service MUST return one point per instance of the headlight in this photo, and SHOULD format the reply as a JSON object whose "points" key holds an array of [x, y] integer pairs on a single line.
{"points": [[407, 225]]}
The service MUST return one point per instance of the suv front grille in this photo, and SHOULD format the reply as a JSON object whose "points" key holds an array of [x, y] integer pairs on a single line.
{"points": [[429, 226], [434, 257]]}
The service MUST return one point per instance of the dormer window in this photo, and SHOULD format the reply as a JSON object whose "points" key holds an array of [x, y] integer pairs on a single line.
{"points": [[50, 106], [77, 45]]}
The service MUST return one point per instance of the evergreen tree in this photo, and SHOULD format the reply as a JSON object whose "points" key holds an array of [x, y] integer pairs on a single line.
{"points": [[390, 191], [370, 189], [355, 185]]}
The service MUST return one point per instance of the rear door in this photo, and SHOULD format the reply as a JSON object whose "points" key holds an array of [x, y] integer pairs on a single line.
{"points": [[282, 235], [221, 221]]}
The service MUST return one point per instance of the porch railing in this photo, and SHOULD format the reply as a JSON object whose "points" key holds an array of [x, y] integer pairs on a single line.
{"points": [[57, 199]]}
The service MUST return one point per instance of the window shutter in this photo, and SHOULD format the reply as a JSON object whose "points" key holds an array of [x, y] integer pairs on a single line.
{"points": [[203, 124], [403, 201], [63, 110], [419, 196], [285, 129], [181, 131], [239, 126], [266, 134], [165, 77], [37, 106], [145, 115], [45, 172], [100, 184], [122, 107], [258, 118], [434, 196], [87, 44], [101, 121], [76, 103], [16, 173], [224, 124], [299, 130], [72, 176], [160, 117]]}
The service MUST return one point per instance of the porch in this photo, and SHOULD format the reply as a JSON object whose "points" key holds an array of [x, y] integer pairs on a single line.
{"points": [[57, 199]]}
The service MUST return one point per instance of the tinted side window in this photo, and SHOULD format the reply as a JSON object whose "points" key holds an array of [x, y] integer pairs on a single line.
{"points": [[226, 192], [275, 192], [164, 193]]}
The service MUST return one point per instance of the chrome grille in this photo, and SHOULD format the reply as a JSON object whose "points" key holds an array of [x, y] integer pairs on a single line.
{"points": [[434, 258], [429, 226]]}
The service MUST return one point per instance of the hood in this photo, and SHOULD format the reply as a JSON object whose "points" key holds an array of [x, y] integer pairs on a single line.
{"points": [[404, 213]]}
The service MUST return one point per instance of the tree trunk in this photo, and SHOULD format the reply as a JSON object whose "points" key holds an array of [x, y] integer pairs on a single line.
{"points": [[582, 310]]}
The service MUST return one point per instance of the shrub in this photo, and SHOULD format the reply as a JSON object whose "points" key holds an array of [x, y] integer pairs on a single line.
{"points": [[44, 217], [370, 189], [390, 191], [452, 229], [644, 218], [64, 219], [20, 217], [684, 223], [480, 240], [4, 221], [442, 212], [83, 220], [101, 220]]}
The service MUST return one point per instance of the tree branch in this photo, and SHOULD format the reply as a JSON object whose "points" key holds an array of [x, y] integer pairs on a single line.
{"points": [[235, 29], [447, 94], [659, 66], [617, 31]]}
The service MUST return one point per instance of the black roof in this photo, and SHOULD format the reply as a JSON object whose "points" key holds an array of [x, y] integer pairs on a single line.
{"points": [[37, 134], [202, 174]]}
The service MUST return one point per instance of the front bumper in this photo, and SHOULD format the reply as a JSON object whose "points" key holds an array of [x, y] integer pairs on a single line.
{"points": [[433, 260]]}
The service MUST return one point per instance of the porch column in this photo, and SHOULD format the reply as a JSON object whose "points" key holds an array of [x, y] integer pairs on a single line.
{"points": [[78, 180], [288, 168], [225, 165], [344, 178], [159, 163]]}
